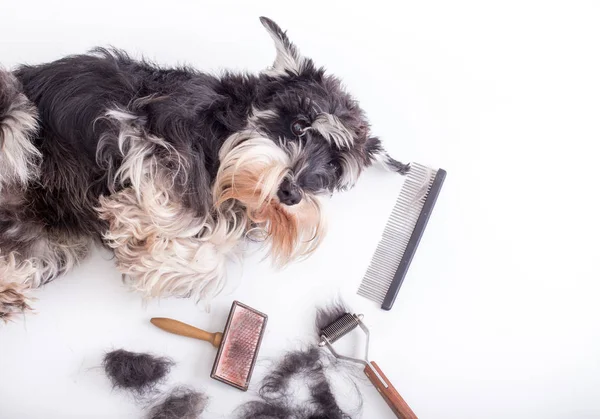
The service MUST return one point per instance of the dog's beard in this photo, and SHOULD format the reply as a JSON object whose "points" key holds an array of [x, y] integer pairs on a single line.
{"points": [[252, 168]]}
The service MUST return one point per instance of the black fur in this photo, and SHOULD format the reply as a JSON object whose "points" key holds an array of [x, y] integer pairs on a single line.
{"points": [[137, 372]]}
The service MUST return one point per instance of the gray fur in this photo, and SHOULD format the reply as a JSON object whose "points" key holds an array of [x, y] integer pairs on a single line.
{"points": [[137, 372], [180, 403]]}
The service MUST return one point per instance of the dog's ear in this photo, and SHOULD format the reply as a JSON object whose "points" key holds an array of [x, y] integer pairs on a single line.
{"points": [[288, 59]]}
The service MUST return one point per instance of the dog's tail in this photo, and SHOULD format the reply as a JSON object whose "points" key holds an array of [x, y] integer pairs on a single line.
{"points": [[18, 124]]}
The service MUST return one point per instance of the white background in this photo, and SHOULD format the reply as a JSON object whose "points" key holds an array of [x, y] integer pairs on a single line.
{"points": [[499, 314]]}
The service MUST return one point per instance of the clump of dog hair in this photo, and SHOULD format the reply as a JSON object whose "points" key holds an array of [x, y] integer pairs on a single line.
{"points": [[138, 372], [180, 403], [279, 398], [329, 314], [275, 385], [263, 410]]}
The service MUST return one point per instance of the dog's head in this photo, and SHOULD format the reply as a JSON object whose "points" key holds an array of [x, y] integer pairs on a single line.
{"points": [[305, 138]]}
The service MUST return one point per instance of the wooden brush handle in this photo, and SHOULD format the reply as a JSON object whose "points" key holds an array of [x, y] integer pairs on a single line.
{"points": [[180, 328], [389, 394]]}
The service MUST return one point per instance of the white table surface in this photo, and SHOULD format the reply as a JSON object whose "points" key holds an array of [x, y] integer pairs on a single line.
{"points": [[498, 316]]}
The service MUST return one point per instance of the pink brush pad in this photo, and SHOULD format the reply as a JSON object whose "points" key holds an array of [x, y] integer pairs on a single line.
{"points": [[239, 348]]}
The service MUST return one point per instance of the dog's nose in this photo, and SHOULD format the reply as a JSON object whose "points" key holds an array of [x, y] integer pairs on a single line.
{"points": [[289, 193]]}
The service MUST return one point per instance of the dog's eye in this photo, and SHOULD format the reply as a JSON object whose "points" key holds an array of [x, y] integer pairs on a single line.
{"points": [[299, 127]]}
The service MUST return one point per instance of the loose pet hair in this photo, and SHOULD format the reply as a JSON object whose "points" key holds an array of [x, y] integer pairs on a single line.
{"points": [[172, 168], [137, 372], [299, 387], [180, 403]]}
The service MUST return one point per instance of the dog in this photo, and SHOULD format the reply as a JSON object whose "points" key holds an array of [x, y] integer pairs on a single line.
{"points": [[171, 168]]}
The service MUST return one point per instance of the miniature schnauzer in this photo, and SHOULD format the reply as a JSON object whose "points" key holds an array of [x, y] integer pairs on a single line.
{"points": [[172, 168]]}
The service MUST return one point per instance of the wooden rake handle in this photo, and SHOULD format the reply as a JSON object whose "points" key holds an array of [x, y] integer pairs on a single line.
{"points": [[183, 329], [389, 394]]}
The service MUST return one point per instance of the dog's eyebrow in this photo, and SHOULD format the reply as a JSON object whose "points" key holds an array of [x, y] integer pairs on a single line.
{"points": [[316, 107], [330, 127]]}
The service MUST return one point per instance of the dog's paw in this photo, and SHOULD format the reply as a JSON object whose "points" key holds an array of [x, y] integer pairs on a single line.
{"points": [[13, 301]]}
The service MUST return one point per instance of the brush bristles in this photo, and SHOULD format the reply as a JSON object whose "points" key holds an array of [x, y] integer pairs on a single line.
{"points": [[397, 233]]}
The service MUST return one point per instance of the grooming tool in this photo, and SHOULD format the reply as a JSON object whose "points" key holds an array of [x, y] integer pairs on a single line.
{"points": [[344, 325], [402, 235], [238, 344]]}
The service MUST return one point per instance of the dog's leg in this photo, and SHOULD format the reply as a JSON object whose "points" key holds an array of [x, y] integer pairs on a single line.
{"points": [[19, 275], [31, 254], [163, 248]]}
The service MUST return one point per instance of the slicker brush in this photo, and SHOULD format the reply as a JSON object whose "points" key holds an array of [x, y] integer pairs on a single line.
{"points": [[346, 323], [238, 345]]}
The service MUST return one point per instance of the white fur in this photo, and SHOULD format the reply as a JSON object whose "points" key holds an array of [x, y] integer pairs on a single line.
{"points": [[139, 150], [13, 287], [247, 151], [294, 151], [350, 171], [288, 59], [248, 147], [15, 271], [162, 247], [330, 127], [383, 158], [18, 155], [257, 115], [53, 257], [56, 256], [248, 144], [285, 60], [18, 275]]}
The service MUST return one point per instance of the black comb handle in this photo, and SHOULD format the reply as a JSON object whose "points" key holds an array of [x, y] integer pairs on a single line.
{"points": [[414, 240]]}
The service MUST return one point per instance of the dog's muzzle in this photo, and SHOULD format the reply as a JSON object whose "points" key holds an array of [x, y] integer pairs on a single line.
{"points": [[289, 193]]}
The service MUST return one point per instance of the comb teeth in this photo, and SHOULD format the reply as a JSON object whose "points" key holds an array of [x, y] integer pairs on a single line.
{"points": [[403, 230], [340, 327]]}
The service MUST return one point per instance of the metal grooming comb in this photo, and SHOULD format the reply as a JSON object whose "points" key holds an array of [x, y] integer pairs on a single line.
{"points": [[238, 344], [344, 325], [402, 235]]}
